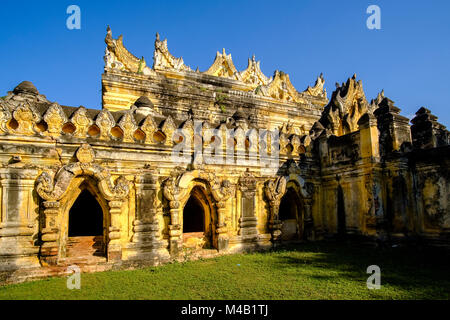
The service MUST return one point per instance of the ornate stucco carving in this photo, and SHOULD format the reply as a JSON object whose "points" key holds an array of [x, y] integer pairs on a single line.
{"points": [[105, 123], [275, 190], [168, 129], [163, 60], [176, 187], [128, 126], [55, 119], [280, 88], [348, 103], [318, 90], [81, 122], [247, 184], [222, 191], [149, 127], [27, 117], [253, 75], [5, 117], [85, 154], [118, 57], [52, 187], [223, 66]]}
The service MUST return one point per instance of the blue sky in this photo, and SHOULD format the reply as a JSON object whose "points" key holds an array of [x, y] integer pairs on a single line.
{"points": [[409, 57]]}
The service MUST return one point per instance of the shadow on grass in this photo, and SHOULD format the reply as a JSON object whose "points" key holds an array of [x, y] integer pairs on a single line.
{"points": [[420, 271]]}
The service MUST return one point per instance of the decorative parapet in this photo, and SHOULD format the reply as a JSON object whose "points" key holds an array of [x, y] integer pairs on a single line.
{"points": [[318, 90], [82, 122], [55, 119], [223, 66], [117, 57], [253, 75], [427, 132], [348, 103], [27, 118], [163, 60], [394, 129], [251, 79], [280, 88], [5, 117]]}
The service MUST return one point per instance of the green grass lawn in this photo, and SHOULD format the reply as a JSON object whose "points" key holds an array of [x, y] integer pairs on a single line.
{"points": [[307, 271]]}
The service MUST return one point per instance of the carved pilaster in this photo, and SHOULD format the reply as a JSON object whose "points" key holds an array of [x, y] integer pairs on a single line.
{"points": [[50, 232], [174, 193], [248, 221], [309, 224], [146, 236], [17, 217], [275, 189], [221, 193], [114, 245]]}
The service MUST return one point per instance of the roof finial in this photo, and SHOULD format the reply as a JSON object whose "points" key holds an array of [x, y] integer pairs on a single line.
{"points": [[157, 36]]}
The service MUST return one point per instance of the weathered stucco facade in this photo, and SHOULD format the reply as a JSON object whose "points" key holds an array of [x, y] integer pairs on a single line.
{"points": [[288, 166]]}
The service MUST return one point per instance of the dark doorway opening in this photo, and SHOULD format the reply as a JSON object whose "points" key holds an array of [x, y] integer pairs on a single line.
{"points": [[85, 216], [193, 216], [288, 206], [289, 214], [86, 238], [197, 232]]}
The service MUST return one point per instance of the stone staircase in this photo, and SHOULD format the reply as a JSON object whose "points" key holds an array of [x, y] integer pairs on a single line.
{"points": [[88, 250]]}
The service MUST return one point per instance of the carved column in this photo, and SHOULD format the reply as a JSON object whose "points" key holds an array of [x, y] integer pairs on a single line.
{"points": [[146, 227], [221, 230], [275, 223], [174, 227], [114, 245], [174, 193], [275, 189], [17, 218], [309, 224], [50, 232], [221, 193], [116, 194], [248, 221]]}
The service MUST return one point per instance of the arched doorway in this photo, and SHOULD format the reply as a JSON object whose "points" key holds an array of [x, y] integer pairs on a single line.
{"points": [[290, 214], [197, 224], [86, 225]]}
